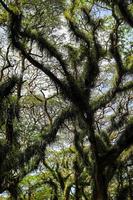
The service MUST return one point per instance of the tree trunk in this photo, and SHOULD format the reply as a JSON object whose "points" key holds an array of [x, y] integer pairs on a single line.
{"points": [[14, 192], [100, 187]]}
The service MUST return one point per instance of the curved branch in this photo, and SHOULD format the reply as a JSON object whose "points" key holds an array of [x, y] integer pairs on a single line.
{"points": [[122, 4], [103, 100], [44, 44], [125, 141], [6, 7], [7, 87]]}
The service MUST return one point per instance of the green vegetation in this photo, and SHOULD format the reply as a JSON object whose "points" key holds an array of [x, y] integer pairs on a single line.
{"points": [[66, 125]]}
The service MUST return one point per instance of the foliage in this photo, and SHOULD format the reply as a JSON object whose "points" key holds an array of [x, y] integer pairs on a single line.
{"points": [[66, 112]]}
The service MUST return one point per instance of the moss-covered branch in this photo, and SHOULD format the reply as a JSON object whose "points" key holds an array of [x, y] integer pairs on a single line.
{"points": [[126, 13], [7, 87], [124, 141]]}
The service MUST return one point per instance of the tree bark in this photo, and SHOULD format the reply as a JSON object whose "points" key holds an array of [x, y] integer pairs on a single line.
{"points": [[100, 186]]}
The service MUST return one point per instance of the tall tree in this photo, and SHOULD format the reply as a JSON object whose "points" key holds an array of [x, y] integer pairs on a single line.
{"points": [[90, 72]]}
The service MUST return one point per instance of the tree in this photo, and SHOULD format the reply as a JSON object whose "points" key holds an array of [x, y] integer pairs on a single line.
{"points": [[96, 109]]}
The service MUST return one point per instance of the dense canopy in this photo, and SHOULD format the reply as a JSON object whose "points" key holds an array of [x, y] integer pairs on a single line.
{"points": [[66, 124]]}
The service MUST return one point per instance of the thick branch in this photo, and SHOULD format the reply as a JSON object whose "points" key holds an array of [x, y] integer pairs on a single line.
{"points": [[45, 44], [125, 141], [128, 17], [103, 100], [6, 87], [6, 7]]}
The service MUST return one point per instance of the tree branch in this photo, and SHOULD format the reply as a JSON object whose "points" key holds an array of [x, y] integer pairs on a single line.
{"points": [[122, 4], [124, 141]]}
